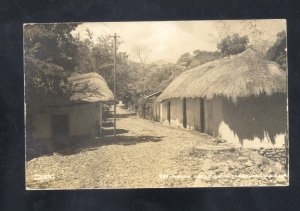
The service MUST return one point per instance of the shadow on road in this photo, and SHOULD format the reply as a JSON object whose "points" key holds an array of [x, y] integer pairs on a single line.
{"points": [[118, 116], [94, 144], [109, 132]]}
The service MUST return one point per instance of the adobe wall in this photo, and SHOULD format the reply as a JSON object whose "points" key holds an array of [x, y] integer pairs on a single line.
{"points": [[197, 120], [82, 120], [255, 121], [176, 112], [213, 115], [193, 113], [41, 126], [164, 111], [252, 122], [155, 110]]}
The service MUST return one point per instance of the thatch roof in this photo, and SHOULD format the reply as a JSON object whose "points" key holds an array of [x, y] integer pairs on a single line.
{"points": [[242, 75], [90, 87]]}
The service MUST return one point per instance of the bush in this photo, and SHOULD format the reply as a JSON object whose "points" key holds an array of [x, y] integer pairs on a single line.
{"points": [[144, 109]]}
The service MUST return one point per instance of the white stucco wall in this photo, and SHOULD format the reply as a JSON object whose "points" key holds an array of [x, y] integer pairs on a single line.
{"points": [[255, 123], [227, 134]]}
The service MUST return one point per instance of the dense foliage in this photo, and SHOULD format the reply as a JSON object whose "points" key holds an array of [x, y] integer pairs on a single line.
{"points": [[49, 59], [234, 44], [277, 51]]}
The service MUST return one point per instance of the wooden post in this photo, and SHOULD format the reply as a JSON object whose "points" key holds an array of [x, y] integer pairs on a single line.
{"points": [[115, 55], [115, 94]]}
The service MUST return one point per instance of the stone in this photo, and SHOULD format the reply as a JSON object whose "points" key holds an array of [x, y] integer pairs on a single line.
{"points": [[225, 180], [262, 152], [277, 168], [248, 163], [213, 167], [230, 168], [281, 180], [243, 159], [261, 167], [219, 171], [209, 156], [265, 161], [235, 172]]}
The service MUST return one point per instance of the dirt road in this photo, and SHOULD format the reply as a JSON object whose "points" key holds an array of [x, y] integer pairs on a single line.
{"points": [[145, 154]]}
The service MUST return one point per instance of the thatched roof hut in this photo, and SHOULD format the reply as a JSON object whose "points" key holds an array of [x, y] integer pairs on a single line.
{"points": [[242, 75], [90, 87]]}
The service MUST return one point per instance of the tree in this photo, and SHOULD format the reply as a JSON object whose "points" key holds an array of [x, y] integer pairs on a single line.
{"points": [[95, 54], [143, 54], [158, 77], [49, 58], [234, 44], [277, 52], [201, 57], [250, 28], [256, 40], [185, 59]]}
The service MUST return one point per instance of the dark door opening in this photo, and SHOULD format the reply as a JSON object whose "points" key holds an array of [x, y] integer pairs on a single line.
{"points": [[202, 116], [60, 130], [169, 112], [184, 119]]}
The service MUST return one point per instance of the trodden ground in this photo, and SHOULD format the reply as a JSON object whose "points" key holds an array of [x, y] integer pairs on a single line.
{"points": [[145, 154]]}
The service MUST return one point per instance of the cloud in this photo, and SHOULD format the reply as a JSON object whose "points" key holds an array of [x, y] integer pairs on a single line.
{"points": [[168, 40]]}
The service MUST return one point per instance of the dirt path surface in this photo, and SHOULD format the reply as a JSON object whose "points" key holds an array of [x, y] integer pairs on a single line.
{"points": [[145, 154]]}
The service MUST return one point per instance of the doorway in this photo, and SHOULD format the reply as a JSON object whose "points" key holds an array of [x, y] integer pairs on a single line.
{"points": [[202, 116], [169, 112]]}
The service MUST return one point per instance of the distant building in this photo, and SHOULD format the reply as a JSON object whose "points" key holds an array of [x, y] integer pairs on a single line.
{"points": [[60, 125], [121, 103], [155, 110], [242, 99]]}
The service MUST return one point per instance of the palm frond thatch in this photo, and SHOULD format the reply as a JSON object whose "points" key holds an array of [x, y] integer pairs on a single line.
{"points": [[90, 87], [242, 75]]}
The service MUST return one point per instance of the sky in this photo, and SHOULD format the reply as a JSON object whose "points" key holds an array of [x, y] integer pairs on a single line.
{"points": [[168, 40]]}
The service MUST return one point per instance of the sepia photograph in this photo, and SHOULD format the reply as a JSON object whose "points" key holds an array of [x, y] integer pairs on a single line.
{"points": [[156, 104]]}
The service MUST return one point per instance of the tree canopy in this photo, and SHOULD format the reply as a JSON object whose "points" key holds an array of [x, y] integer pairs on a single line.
{"points": [[49, 58], [277, 51], [234, 44]]}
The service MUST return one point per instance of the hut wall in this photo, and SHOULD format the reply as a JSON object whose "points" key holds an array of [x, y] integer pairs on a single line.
{"points": [[255, 121], [82, 118], [176, 112], [155, 110], [191, 112], [197, 120], [213, 115], [164, 112], [41, 128], [41, 121], [161, 112]]}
